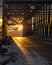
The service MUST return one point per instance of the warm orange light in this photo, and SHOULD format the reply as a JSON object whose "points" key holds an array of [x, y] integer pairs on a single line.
{"points": [[0, 22], [20, 28], [0, 19], [19, 38], [16, 25]]}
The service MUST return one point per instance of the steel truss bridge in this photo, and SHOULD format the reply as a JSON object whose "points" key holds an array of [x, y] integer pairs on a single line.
{"points": [[38, 9]]}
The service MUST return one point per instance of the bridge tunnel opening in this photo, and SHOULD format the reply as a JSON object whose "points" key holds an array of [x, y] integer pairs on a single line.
{"points": [[15, 26], [19, 19]]}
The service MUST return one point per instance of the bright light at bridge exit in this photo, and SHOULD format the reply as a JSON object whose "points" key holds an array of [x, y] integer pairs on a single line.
{"points": [[15, 30], [20, 27], [0, 19]]}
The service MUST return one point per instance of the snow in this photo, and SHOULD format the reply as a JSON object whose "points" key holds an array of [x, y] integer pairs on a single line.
{"points": [[11, 63], [11, 57]]}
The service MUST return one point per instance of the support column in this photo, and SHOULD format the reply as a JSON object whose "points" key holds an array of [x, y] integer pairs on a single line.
{"points": [[49, 21], [4, 25], [43, 22]]}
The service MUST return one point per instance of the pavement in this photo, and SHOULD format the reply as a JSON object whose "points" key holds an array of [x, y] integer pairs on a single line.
{"points": [[28, 55]]}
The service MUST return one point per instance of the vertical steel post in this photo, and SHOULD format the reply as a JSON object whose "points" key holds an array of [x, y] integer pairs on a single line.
{"points": [[4, 25], [43, 22], [49, 21]]}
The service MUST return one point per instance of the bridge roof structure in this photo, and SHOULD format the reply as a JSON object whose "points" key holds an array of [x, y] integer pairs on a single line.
{"points": [[26, 7]]}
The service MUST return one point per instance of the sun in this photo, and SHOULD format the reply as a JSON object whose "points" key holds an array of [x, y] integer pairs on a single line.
{"points": [[20, 27]]}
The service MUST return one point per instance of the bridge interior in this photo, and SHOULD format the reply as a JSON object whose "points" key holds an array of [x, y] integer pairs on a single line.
{"points": [[21, 21], [27, 18]]}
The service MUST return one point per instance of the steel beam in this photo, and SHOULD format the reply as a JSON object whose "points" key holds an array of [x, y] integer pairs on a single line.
{"points": [[4, 25]]}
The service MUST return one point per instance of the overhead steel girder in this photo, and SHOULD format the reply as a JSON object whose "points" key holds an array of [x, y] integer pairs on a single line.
{"points": [[30, 1], [23, 7], [26, 4]]}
